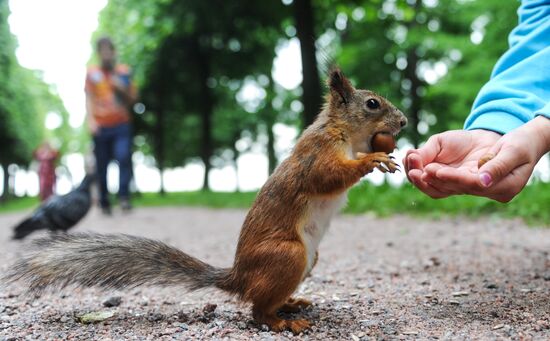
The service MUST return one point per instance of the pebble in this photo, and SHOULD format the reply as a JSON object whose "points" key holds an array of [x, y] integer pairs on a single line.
{"points": [[182, 316], [526, 290], [368, 323], [541, 324], [460, 293], [435, 261], [154, 317], [209, 308], [144, 301], [113, 301]]}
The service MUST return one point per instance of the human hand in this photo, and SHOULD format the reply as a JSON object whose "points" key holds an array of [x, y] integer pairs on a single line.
{"points": [[448, 163], [118, 83], [450, 154], [93, 126]]}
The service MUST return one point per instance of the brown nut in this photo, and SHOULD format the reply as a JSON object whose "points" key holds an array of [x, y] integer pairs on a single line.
{"points": [[483, 160], [383, 142]]}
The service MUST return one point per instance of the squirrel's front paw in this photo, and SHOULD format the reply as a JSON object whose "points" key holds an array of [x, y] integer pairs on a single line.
{"points": [[380, 160]]}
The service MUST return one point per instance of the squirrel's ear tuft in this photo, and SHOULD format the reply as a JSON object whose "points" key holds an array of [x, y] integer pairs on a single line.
{"points": [[340, 87]]}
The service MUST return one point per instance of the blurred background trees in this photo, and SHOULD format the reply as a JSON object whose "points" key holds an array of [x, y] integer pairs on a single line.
{"points": [[25, 102], [205, 70], [193, 58]]}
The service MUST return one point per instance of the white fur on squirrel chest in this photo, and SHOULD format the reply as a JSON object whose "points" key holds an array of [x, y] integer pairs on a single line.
{"points": [[321, 213]]}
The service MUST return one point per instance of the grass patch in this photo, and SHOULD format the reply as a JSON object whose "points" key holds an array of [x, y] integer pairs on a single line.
{"points": [[532, 205], [18, 204], [199, 198]]}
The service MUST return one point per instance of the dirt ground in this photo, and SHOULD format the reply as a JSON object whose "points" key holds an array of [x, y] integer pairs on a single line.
{"points": [[397, 278]]}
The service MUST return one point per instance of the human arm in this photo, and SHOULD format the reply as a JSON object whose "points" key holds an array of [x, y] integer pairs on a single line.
{"points": [[92, 124], [124, 86], [519, 88], [126, 92]]}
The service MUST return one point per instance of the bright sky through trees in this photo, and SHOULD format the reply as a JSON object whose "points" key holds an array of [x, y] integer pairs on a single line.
{"points": [[54, 37]]}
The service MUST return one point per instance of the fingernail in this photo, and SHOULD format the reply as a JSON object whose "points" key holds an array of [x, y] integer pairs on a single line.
{"points": [[485, 179]]}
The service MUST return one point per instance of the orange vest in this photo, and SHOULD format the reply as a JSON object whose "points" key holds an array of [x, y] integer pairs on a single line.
{"points": [[107, 108]]}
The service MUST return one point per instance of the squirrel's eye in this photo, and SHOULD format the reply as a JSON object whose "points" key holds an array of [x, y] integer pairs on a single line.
{"points": [[373, 104]]}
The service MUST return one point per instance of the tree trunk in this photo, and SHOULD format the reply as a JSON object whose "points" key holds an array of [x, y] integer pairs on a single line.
{"points": [[271, 157], [268, 116], [236, 155], [416, 100], [6, 183], [416, 83], [206, 109], [159, 138], [311, 85]]}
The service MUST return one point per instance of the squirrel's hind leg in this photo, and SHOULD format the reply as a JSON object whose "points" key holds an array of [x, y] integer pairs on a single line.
{"points": [[274, 286], [294, 305]]}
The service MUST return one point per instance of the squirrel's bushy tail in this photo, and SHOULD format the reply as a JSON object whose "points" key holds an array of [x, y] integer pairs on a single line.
{"points": [[111, 261]]}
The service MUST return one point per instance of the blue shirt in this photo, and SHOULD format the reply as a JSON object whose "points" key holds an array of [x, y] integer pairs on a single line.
{"points": [[519, 88]]}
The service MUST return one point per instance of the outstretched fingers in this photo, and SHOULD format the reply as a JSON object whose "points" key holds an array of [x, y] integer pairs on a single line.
{"points": [[415, 177]]}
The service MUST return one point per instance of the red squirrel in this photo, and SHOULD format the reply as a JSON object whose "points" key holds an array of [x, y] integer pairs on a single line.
{"points": [[279, 238]]}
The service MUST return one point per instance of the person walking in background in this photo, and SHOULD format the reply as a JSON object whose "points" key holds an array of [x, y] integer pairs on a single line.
{"points": [[509, 124], [47, 156], [110, 93]]}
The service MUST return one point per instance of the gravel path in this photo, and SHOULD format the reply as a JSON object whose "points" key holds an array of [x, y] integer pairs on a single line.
{"points": [[397, 278]]}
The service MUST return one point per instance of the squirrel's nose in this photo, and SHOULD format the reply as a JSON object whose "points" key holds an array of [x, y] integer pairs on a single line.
{"points": [[403, 121]]}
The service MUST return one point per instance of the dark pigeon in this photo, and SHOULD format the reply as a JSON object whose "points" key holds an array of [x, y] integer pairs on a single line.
{"points": [[58, 213]]}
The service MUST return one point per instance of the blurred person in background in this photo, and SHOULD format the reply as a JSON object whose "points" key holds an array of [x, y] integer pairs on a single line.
{"points": [[46, 156], [509, 126], [110, 93]]}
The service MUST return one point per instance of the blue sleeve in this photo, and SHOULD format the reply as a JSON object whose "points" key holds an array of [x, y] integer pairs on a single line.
{"points": [[519, 88]]}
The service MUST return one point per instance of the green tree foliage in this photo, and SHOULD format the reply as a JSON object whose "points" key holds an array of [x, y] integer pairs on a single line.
{"points": [[450, 100], [420, 54], [19, 134], [24, 102], [192, 60]]}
